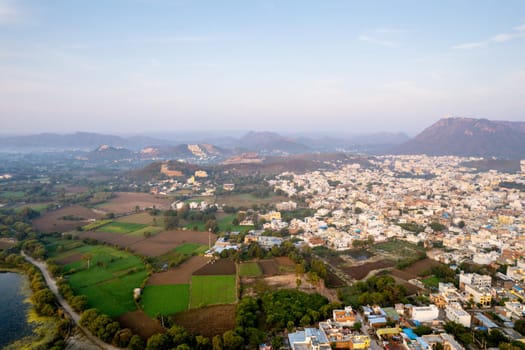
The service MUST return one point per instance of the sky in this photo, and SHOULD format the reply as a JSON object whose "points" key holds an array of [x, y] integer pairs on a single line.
{"points": [[355, 66]]}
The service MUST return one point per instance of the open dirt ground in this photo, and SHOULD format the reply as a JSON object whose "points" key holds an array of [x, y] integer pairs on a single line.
{"points": [[217, 267], [52, 221], [179, 275], [140, 323], [125, 202], [165, 241], [208, 321], [359, 272], [269, 267]]}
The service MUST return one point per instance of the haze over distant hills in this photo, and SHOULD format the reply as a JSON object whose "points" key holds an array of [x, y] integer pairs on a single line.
{"points": [[269, 143], [449, 136], [468, 137]]}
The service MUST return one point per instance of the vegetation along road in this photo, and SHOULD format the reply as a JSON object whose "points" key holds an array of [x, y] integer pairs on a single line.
{"points": [[50, 281]]}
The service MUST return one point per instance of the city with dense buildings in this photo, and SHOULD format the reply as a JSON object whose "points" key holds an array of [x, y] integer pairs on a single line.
{"points": [[400, 252]]}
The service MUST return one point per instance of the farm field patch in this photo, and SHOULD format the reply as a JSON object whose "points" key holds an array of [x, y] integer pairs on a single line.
{"points": [[109, 281], [359, 272], [251, 269], [54, 221], [140, 323], [208, 321], [126, 202], [211, 290], [248, 199], [269, 267], [217, 267], [121, 227], [165, 299], [189, 248], [180, 274], [165, 241]]}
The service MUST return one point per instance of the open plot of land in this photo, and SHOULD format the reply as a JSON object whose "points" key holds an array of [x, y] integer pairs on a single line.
{"points": [[189, 248], [179, 275], [208, 321], [247, 199], [269, 267], [361, 271], [121, 227], [126, 202], [333, 281], [165, 299], [69, 259], [167, 240], [217, 267], [212, 290], [399, 249], [140, 323], [119, 240], [250, 269], [139, 218], [53, 221], [421, 266], [285, 261]]}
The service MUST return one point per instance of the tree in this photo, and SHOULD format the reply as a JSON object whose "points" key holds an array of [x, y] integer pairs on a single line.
{"points": [[159, 342], [217, 343], [305, 321], [122, 338], [136, 343], [202, 343], [519, 326], [232, 341], [358, 325], [212, 225], [178, 335]]}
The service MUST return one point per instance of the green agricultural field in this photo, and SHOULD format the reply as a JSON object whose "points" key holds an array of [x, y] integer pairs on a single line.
{"points": [[121, 227], [12, 194], [152, 230], [211, 290], [114, 297], [190, 248], [95, 225], [250, 269], [165, 299], [109, 282], [225, 224], [431, 281]]}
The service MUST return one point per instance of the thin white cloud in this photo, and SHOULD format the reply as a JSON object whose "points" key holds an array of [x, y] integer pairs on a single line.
{"points": [[171, 39], [517, 33], [371, 39], [386, 37]]}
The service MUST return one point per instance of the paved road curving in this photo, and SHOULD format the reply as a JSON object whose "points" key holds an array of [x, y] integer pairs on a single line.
{"points": [[51, 282]]}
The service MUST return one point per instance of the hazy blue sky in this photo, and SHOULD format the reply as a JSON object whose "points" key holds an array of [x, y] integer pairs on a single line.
{"points": [[162, 65]]}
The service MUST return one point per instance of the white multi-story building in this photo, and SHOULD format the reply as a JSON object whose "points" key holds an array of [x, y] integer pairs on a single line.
{"points": [[475, 280], [424, 313], [454, 312]]}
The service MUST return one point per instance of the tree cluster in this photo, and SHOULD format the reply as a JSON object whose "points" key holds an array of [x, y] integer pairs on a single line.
{"points": [[377, 290]]}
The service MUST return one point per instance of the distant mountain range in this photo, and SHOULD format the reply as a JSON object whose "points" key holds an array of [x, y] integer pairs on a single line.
{"points": [[449, 136], [468, 137], [265, 143]]}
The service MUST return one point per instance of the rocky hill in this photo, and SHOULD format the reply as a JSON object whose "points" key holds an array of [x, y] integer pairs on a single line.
{"points": [[469, 137]]}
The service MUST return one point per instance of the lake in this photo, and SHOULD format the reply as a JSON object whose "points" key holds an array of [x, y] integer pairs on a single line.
{"points": [[13, 309]]}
